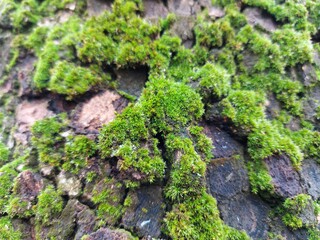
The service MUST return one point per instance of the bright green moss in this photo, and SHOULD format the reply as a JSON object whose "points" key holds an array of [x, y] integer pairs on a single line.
{"points": [[49, 7], [199, 219], [47, 58], [78, 150], [4, 153], [71, 80], [20, 208], [259, 177], [49, 206], [7, 175], [188, 169], [128, 138], [25, 14], [170, 105], [293, 207], [203, 144], [7, 231], [6, 8], [295, 47], [36, 39], [47, 139], [244, 108], [214, 81]]}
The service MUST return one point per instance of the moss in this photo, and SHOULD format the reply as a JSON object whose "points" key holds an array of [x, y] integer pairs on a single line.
{"points": [[7, 175], [199, 219], [293, 207], [244, 108], [47, 139], [71, 80], [25, 14], [170, 105], [4, 154], [108, 198], [214, 81], [203, 144], [260, 179], [49, 206], [295, 46], [20, 208], [7, 231], [78, 150]]}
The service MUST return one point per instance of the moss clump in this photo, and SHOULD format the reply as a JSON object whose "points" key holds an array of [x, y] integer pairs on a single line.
{"points": [[47, 139], [20, 208], [214, 81], [25, 14], [71, 80], [49, 206], [4, 154], [7, 231], [170, 106], [107, 194], [78, 150], [199, 219], [293, 209], [244, 108], [128, 139], [7, 175]]}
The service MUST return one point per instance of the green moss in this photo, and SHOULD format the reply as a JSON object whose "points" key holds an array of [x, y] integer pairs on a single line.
{"points": [[203, 144], [199, 219], [20, 208], [78, 150], [260, 179], [49, 206], [7, 175], [47, 139], [170, 105], [244, 108], [293, 207], [108, 198], [25, 14], [7, 231], [71, 80], [4, 153], [214, 81]]}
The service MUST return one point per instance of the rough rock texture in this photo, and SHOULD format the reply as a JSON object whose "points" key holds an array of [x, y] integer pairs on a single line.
{"points": [[259, 19], [310, 174], [285, 178], [146, 211], [69, 184], [98, 110], [106, 233], [28, 185]]}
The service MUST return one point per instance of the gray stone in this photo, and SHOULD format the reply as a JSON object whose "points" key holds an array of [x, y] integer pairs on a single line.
{"points": [[86, 222], [108, 234], [227, 177], [310, 174], [132, 81], [285, 178], [246, 212], [97, 7], [224, 145], [146, 211], [154, 9], [69, 184], [257, 18]]}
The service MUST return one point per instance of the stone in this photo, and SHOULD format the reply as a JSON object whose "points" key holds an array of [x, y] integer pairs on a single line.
{"points": [[97, 7], [63, 227], [224, 146], [98, 110], [28, 185], [25, 71], [154, 10], [249, 59], [308, 75], [246, 212], [27, 113], [106, 233], [132, 81], [183, 28], [146, 211], [69, 184], [259, 19], [216, 12], [227, 177], [86, 222], [273, 107], [310, 174], [285, 178], [5, 40], [25, 227]]}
